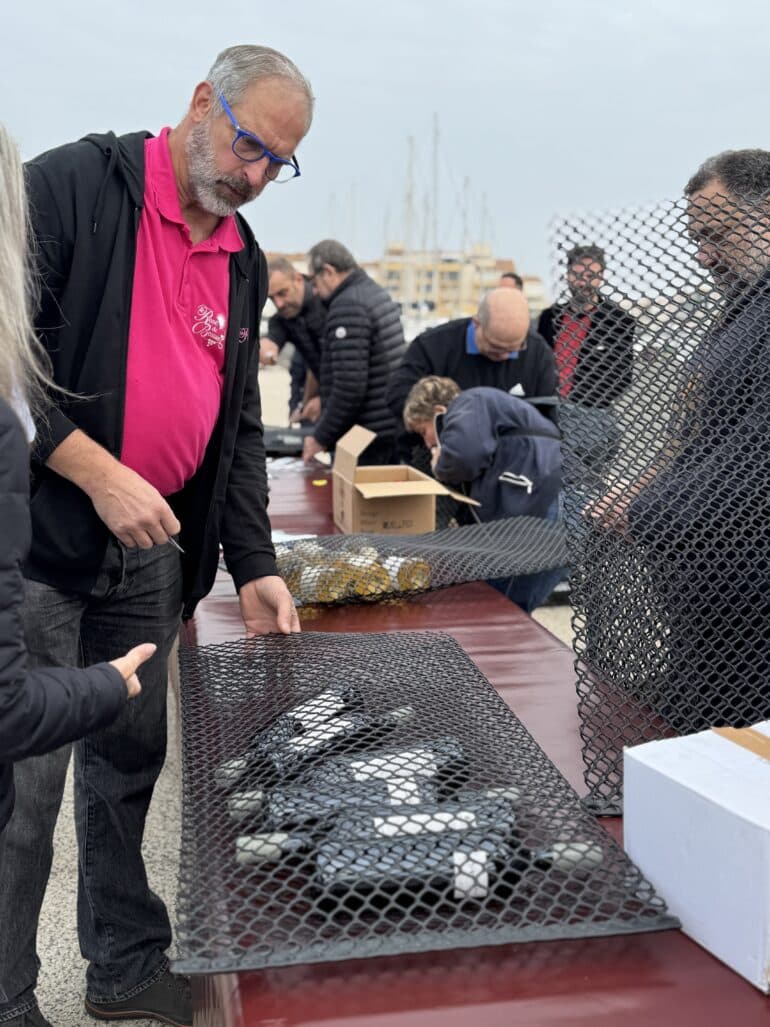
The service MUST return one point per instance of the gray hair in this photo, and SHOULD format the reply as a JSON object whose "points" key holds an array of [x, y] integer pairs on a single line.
{"points": [[236, 68], [745, 174], [483, 314], [331, 252], [425, 395], [281, 264], [23, 362]]}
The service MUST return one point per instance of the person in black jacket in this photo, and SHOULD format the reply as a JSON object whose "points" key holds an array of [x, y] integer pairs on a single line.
{"points": [[152, 289], [497, 348], [593, 342], [299, 318], [41, 709], [501, 452], [363, 343], [699, 511]]}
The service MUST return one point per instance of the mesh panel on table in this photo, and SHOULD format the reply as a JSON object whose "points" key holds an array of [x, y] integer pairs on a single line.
{"points": [[665, 418], [354, 568], [372, 815]]}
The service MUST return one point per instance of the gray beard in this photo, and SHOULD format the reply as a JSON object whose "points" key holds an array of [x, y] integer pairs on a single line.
{"points": [[204, 177]]}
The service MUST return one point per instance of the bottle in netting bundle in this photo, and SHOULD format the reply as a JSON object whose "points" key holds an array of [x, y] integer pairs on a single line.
{"points": [[369, 579], [326, 583], [398, 777], [407, 574], [289, 567], [289, 756]]}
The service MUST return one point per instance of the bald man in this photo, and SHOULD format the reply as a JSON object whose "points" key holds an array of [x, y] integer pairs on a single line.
{"points": [[497, 348]]}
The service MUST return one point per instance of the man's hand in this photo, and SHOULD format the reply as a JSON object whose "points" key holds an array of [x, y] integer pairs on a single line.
{"points": [[610, 511], [268, 352], [128, 665], [311, 448], [267, 605], [311, 411], [133, 510]]}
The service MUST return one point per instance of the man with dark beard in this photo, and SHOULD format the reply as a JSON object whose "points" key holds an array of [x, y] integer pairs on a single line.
{"points": [[593, 343], [152, 292], [699, 513]]}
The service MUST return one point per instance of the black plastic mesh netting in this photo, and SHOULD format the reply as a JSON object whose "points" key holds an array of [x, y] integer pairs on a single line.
{"points": [[358, 568], [360, 795], [665, 408]]}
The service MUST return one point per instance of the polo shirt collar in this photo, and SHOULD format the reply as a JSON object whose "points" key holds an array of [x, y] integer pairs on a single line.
{"points": [[472, 347], [161, 190]]}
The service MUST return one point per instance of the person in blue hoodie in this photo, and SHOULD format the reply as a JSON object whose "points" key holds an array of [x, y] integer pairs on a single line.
{"points": [[501, 452], [44, 708]]}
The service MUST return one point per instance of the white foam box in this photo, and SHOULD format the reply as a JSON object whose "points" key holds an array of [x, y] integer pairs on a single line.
{"points": [[696, 820]]}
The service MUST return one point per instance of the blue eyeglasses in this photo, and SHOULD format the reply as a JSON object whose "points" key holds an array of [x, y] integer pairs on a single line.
{"points": [[250, 148]]}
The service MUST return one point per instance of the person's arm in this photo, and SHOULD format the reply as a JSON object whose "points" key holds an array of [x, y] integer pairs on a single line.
{"points": [[468, 442], [130, 507], [133, 510], [545, 379], [271, 344], [265, 602], [624, 350], [311, 401], [545, 325], [53, 232], [349, 339], [39, 709]]}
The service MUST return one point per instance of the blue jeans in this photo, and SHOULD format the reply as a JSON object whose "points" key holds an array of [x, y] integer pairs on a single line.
{"points": [[529, 591], [123, 926]]}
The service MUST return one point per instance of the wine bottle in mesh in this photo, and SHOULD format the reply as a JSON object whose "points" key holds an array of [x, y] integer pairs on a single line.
{"points": [[304, 718], [288, 756]]}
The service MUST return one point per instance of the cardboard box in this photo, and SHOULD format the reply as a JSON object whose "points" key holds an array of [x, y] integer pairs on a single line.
{"points": [[390, 499], [697, 822]]}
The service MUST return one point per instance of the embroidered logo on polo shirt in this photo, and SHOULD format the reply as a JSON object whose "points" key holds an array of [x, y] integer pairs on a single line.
{"points": [[243, 335], [210, 326]]}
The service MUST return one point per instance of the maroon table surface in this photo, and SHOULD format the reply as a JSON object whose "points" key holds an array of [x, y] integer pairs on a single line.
{"points": [[633, 980]]}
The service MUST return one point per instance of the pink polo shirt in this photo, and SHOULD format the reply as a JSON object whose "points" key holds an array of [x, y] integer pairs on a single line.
{"points": [[176, 341]]}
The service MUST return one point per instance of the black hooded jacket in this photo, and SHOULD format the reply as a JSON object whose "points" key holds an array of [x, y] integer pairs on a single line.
{"points": [[39, 709], [86, 201], [363, 345]]}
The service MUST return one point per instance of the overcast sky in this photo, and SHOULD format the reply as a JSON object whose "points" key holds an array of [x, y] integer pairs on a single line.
{"points": [[546, 106]]}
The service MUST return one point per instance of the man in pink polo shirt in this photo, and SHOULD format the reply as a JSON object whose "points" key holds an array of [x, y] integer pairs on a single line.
{"points": [[153, 288]]}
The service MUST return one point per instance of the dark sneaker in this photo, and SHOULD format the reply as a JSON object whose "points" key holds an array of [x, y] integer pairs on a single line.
{"points": [[167, 999], [32, 1018]]}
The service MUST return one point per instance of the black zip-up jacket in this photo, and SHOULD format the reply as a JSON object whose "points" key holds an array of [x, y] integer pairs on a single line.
{"points": [[86, 201], [606, 358], [39, 709], [363, 344], [441, 351]]}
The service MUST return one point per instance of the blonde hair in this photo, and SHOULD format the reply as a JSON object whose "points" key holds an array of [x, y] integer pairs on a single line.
{"points": [[427, 394], [23, 362]]}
